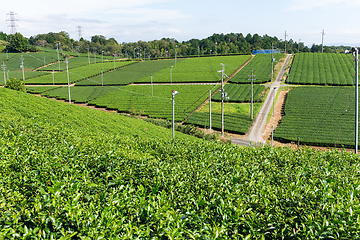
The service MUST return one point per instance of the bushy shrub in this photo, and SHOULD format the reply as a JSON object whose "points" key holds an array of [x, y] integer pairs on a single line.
{"points": [[16, 84]]}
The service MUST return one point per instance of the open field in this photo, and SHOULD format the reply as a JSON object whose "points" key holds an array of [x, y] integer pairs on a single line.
{"points": [[321, 116], [322, 69], [261, 65], [73, 172], [202, 69]]}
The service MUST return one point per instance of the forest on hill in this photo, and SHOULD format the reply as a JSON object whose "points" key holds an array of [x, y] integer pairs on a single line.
{"points": [[216, 44]]}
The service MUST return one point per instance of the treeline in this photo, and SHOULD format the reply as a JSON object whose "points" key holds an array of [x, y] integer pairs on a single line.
{"points": [[217, 44]]}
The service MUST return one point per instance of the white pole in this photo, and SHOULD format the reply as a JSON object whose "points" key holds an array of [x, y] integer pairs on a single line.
{"points": [[88, 55], [102, 78], [356, 99], [210, 110], [171, 74], [274, 101], [67, 72], [102, 56], [173, 114], [22, 67], [3, 67], [222, 99], [57, 50], [175, 54]]}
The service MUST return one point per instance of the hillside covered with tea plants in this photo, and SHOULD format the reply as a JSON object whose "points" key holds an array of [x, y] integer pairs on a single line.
{"points": [[64, 176]]}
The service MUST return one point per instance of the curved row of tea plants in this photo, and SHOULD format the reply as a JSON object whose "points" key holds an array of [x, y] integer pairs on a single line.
{"points": [[61, 181], [129, 74], [323, 116], [322, 69], [261, 66], [139, 100]]}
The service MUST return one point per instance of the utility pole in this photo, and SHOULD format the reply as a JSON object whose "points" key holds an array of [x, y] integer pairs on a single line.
{"points": [[272, 61], [285, 41], [175, 54], [102, 56], [355, 52], [210, 110], [215, 49], [114, 60], [88, 55], [322, 41], [222, 98], [4, 68], [95, 54], [22, 67], [274, 101], [67, 73], [252, 93], [171, 74], [57, 50], [102, 77], [173, 93]]}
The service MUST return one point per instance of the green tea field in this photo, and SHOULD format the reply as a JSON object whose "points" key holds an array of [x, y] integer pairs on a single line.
{"points": [[322, 69], [322, 116], [71, 172]]}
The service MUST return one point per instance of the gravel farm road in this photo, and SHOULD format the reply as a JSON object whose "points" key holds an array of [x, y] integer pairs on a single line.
{"points": [[257, 129]]}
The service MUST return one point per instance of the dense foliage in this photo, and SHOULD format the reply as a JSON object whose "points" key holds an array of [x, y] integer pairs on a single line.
{"points": [[15, 84], [59, 180], [18, 43], [322, 116], [322, 69]]}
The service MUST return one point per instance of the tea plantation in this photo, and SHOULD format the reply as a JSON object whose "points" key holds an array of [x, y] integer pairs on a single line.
{"points": [[69, 172]]}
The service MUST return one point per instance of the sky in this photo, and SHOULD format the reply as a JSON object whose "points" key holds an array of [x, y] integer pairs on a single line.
{"points": [[146, 20]]}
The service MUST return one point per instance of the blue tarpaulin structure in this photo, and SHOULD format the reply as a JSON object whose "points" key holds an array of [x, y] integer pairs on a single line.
{"points": [[265, 51]]}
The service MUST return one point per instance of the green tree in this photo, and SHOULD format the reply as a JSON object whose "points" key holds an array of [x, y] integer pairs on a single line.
{"points": [[15, 84], [18, 43]]}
